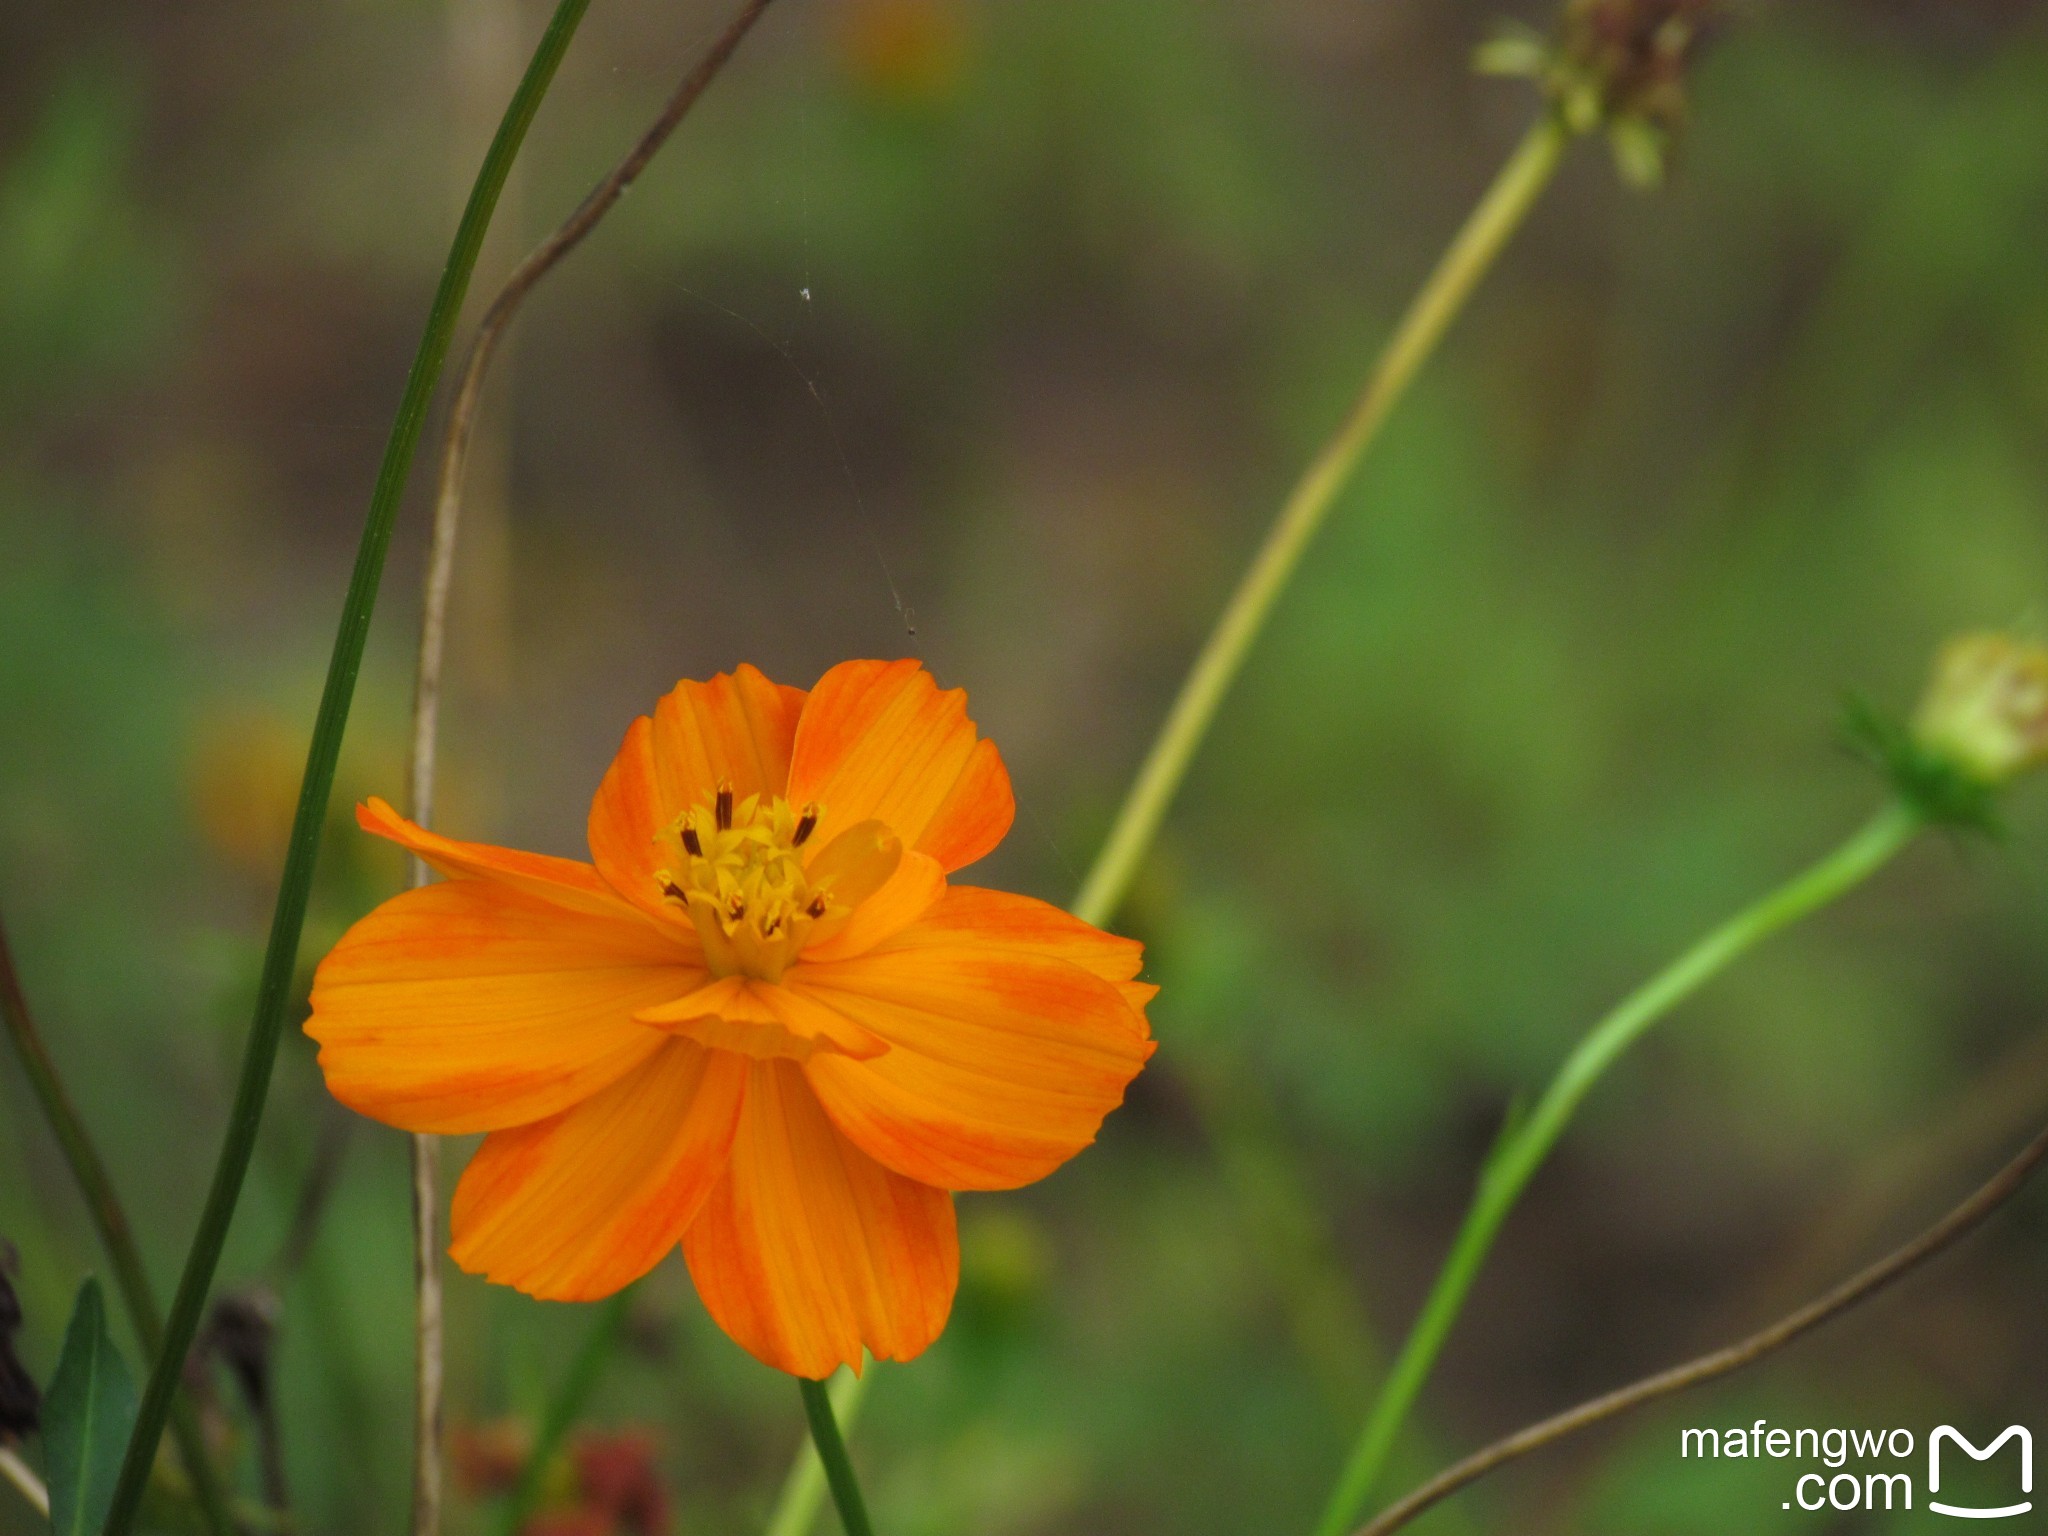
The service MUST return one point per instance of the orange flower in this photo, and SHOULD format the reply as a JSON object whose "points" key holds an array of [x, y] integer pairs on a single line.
{"points": [[762, 1023]]}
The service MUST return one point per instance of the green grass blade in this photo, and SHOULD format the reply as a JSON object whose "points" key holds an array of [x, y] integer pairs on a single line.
{"points": [[280, 958]]}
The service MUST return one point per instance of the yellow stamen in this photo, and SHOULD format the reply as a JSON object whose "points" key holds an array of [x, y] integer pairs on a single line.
{"points": [[755, 902]]}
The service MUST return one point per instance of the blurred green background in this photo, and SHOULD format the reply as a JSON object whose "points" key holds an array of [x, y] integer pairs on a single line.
{"points": [[1011, 323]]}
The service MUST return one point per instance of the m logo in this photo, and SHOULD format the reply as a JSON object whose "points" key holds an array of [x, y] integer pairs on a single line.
{"points": [[1968, 1512]]}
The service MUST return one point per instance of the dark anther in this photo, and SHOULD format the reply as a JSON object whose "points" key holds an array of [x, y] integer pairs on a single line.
{"points": [[693, 843], [723, 807], [817, 906], [806, 824], [670, 888], [738, 909]]}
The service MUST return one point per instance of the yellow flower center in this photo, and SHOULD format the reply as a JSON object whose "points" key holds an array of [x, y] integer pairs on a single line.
{"points": [[741, 873]]}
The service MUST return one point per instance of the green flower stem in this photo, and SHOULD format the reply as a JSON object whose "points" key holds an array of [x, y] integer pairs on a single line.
{"points": [[109, 1216], [1470, 256], [280, 960], [803, 1490], [1525, 1144], [568, 1405], [853, 1514]]}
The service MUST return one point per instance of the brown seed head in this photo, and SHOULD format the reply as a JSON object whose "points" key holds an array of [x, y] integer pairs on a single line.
{"points": [[1632, 54], [1614, 66]]}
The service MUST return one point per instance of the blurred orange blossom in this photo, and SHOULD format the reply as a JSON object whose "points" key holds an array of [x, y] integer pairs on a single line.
{"points": [[761, 1022]]}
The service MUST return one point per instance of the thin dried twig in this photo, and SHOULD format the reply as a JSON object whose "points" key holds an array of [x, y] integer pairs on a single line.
{"points": [[426, 717], [1945, 1233], [490, 330], [22, 1475], [428, 1331], [1995, 1108]]}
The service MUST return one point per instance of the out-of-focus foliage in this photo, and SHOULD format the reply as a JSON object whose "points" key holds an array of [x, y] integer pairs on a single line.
{"points": [[1012, 322]]}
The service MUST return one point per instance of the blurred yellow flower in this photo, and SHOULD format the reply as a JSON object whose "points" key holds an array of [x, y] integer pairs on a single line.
{"points": [[243, 780], [905, 50]]}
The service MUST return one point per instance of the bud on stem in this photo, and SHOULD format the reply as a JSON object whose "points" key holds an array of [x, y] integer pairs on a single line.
{"points": [[1613, 66], [1982, 722], [1986, 707]]}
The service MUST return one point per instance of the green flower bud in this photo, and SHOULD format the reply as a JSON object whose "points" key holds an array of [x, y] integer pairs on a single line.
{"points": [[1985, 711]]}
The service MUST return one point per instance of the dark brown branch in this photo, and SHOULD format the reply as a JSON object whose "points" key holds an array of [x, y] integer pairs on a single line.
{"points": [[462, 414], [1945, 1233]]}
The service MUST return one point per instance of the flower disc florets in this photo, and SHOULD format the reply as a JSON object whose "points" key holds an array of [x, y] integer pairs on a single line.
{"points": [[737, 869]]}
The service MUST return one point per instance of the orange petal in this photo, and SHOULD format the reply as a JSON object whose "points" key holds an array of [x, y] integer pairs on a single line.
{"points": [[735, 729], [578, 1205], [878, 739], [756, 1018], [1003, 920], [808, 1251], [471, 1005], [907, 895], [1001, 1063], [566, 882]]}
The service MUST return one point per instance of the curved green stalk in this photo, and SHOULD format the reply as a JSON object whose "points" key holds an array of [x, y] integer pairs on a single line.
{"points": [[803, 1490], [853, 1512], [280, 958], [1468, 258], [1527, 1142], [96, 1185]]}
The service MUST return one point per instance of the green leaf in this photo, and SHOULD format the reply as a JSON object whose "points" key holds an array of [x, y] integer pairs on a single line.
{"points": [[87, 1415]]}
